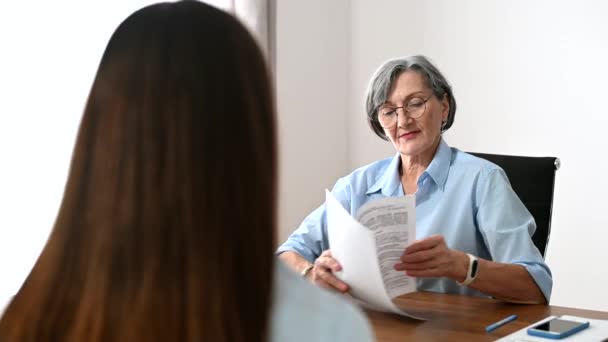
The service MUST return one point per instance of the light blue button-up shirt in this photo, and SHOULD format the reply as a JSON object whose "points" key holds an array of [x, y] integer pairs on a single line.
{"points": [[466, 199]]}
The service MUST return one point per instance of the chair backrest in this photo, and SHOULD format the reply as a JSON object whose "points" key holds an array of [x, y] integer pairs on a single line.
{"points": [[533, 180]]}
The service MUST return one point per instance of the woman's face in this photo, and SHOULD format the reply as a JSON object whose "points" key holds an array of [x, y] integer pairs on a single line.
{"points": [[412, 137]]}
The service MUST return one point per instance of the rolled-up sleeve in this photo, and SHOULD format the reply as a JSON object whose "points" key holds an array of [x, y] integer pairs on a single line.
{"points": [[507, 228], [311, 239]]}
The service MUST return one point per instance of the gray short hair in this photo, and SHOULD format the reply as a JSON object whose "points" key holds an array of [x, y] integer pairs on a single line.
{"points": [[382, 81]]}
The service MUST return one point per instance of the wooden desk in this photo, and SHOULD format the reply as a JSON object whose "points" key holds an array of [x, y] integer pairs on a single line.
{"points": [[461, 318]]}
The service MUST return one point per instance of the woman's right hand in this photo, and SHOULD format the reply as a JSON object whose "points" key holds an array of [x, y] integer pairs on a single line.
{"points": [[322, 273]]}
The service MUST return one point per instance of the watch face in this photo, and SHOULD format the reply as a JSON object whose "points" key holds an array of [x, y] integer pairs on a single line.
{"points": [[474, 269]]}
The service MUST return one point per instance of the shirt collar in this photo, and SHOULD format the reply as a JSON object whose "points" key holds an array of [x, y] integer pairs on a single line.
{"points": [[389, 182], [440, 165]]}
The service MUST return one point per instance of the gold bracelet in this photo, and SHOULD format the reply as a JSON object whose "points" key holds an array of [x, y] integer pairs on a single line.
{"points": [[305, 271]]}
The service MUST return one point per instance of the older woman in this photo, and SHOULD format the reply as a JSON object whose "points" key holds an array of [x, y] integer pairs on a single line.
{"points": [[474, 233]]}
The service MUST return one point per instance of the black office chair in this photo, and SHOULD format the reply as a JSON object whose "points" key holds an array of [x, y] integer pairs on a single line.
{"points": [[533, 180]]}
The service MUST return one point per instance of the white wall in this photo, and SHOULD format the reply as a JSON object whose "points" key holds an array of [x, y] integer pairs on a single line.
{"points": [[312, 67], [530, 79]]}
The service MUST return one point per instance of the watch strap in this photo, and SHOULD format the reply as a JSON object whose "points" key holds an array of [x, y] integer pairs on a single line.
{"points": [[471, 272]]}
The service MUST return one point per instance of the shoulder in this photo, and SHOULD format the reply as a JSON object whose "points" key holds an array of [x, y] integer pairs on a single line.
{"points": [[372, 171], [303, 311], [484, 180], [367, 175], [468, 164]]}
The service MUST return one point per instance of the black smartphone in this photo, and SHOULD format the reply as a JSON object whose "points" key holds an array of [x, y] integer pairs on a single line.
{"points": [[557, 328]]}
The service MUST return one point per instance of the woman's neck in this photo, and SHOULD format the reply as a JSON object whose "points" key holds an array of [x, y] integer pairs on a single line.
{"points": [[413, 166]]}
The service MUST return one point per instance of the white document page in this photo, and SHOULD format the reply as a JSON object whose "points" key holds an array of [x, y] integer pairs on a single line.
{"points": [[393, 221], [356, 248]]}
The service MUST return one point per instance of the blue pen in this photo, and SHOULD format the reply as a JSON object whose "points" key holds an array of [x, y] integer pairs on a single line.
{"points": [[500, 323]]}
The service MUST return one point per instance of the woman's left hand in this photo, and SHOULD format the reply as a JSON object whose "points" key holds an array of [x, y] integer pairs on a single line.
{"points": [[431, 257]]}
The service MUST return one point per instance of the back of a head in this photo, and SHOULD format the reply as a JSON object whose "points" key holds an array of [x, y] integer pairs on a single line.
{"points": [[166, 229]]}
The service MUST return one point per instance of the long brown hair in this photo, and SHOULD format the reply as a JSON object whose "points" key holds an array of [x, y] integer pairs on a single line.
{"points": [[166, 228]]}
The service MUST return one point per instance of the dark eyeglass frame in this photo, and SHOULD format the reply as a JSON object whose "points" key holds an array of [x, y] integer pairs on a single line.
{"points": [[406, 112]]}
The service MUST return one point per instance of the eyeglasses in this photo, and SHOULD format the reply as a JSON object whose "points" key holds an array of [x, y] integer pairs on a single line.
{"points": [[415, 108]]}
